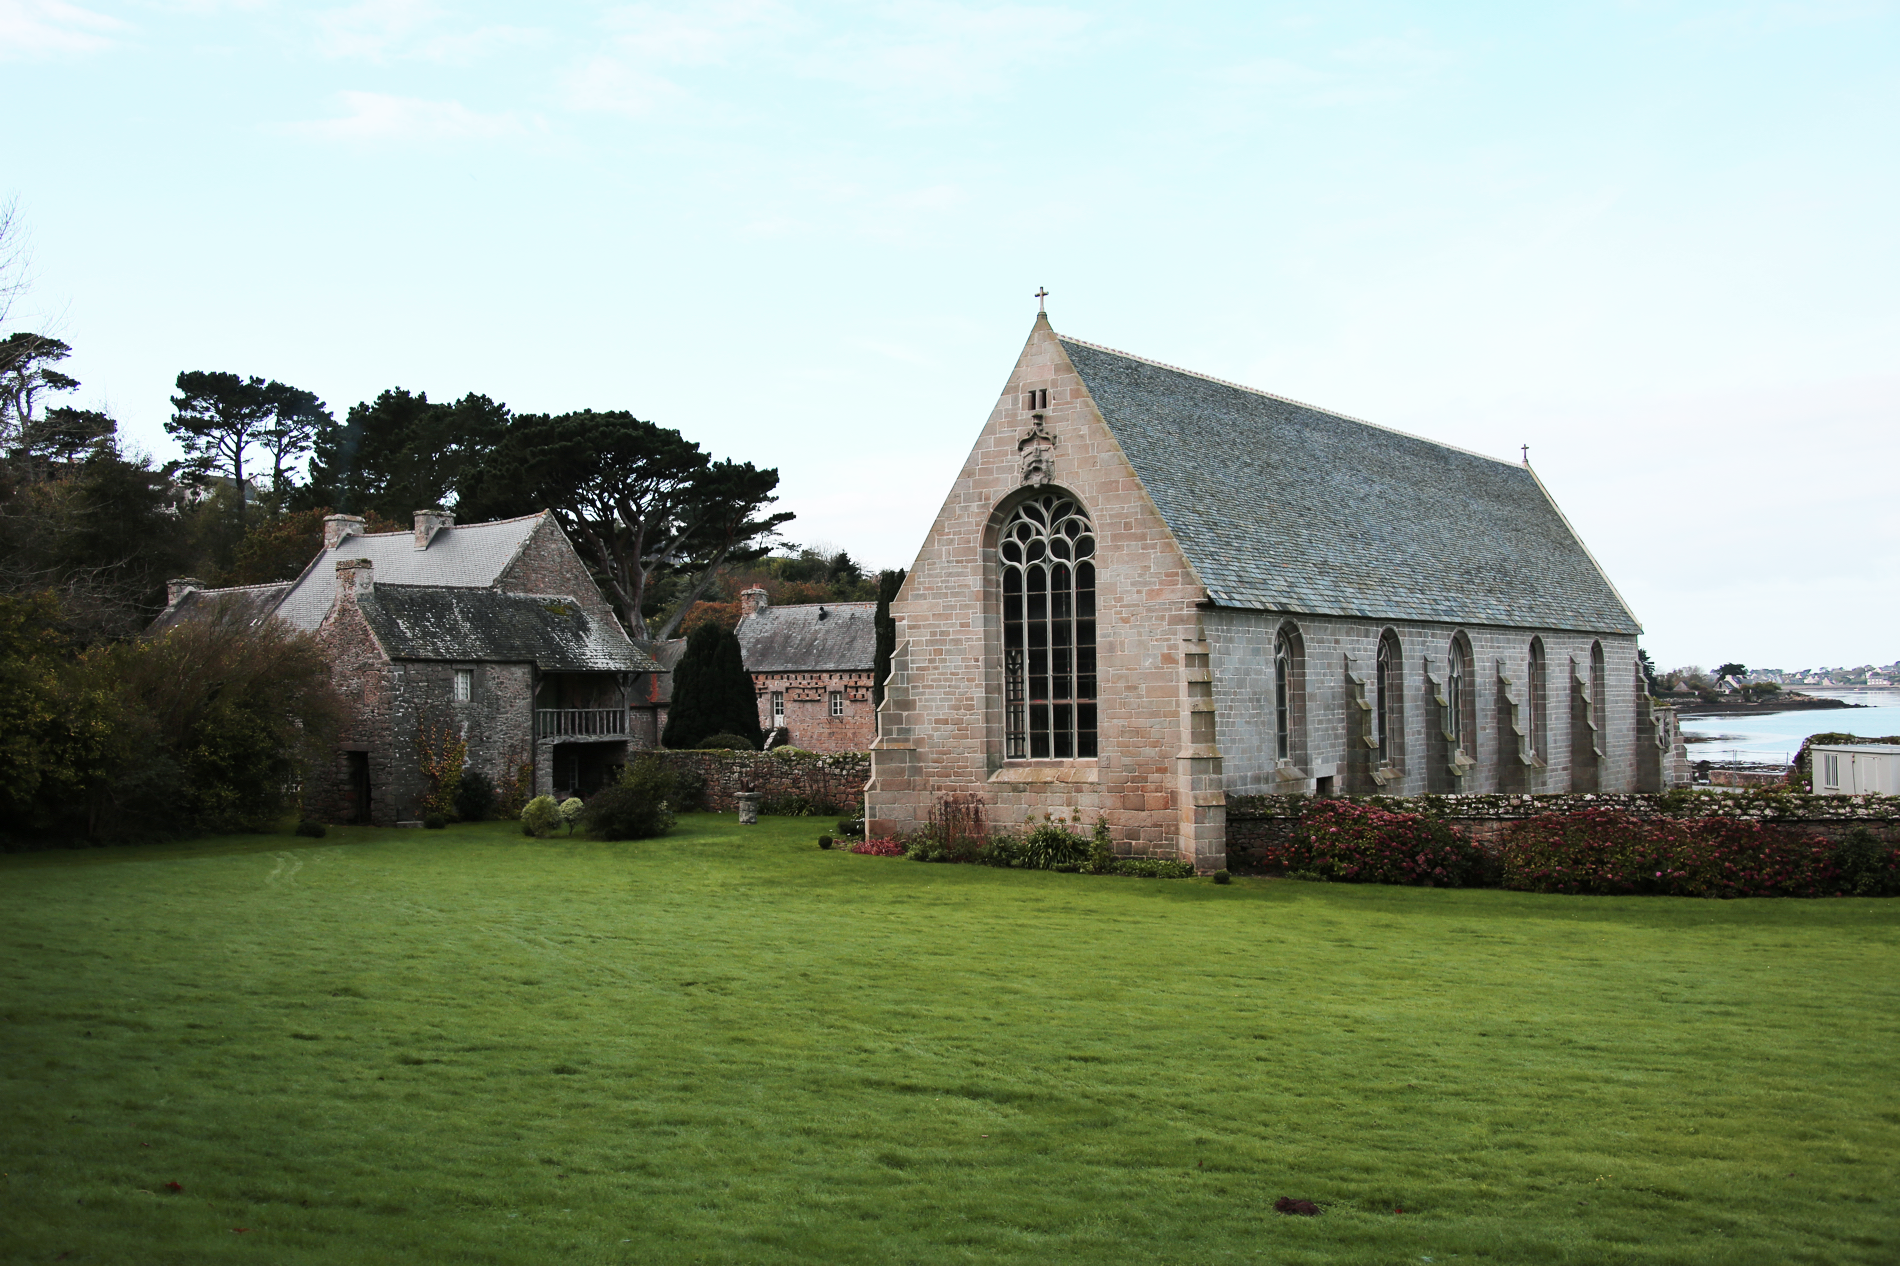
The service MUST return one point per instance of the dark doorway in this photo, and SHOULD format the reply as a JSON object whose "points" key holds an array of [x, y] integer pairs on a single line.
{"points": [[356, 787], [581, 769]]}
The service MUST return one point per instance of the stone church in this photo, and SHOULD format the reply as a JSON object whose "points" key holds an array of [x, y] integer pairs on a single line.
{"points": [[1150, 590]]}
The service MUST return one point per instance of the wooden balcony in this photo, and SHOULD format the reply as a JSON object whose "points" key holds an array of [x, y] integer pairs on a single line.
{"points": [[580, 723]]}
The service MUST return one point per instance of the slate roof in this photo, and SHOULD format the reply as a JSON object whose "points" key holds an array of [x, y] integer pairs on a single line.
{"points": [[1284, 507], [824, 637], [443, 623], [257, 602], [473, 555]]}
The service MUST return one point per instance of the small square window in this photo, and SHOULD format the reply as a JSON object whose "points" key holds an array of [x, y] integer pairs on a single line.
{"points": [[837, 703], [464, 684]]}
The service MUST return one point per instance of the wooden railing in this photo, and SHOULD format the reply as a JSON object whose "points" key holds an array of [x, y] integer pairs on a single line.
{"points": [[580, 723]]}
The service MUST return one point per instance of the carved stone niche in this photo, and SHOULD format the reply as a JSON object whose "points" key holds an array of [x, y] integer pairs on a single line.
{"points": [[1036, 455]]}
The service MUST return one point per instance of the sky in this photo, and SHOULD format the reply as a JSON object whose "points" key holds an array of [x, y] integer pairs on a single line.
{"points": [[1653, 241]]}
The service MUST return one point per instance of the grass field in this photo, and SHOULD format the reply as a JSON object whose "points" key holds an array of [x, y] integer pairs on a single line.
{"points": [[728, 1046]]}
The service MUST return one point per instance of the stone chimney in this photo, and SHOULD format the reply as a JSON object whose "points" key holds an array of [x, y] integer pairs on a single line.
{"points": [[338, 527], [354, 578], [176, 589], [429, 522], [753, 601]]}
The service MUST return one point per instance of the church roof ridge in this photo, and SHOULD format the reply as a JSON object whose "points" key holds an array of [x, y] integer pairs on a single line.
{"points": [[1273, 395]]}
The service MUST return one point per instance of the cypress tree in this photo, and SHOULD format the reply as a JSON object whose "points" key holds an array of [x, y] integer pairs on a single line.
{"points": [[712, 691]]}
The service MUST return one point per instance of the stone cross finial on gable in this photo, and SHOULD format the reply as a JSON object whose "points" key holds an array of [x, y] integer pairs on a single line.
{"points": [[1042, 292]]}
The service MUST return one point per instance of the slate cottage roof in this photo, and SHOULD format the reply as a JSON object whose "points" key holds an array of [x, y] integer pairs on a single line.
{"points": [[442, 623], [253, 602], [822, 637], [1280, 506], [470, 555]]}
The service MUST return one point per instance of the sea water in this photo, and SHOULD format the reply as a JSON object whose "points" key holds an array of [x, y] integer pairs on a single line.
{"points": [[1776, 736]]}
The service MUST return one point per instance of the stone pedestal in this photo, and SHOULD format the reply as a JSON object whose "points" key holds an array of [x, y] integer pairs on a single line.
{"points": [[748, 808]]}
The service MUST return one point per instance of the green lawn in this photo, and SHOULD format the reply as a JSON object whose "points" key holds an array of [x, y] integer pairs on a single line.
{"points": [[728, 1046]]}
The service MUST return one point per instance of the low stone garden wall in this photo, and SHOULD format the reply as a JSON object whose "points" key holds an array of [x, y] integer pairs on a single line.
{"points": [[1255, 822], [836, 779]]}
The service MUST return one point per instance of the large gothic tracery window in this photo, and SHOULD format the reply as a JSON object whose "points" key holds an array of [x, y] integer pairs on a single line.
{"points": [[1048, 630]]}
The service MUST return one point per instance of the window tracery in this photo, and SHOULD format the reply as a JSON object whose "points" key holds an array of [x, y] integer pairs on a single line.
{"points": [[1045, 555]]}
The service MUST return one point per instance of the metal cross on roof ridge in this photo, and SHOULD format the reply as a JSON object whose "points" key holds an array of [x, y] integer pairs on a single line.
{"points": [[1042, 292]]}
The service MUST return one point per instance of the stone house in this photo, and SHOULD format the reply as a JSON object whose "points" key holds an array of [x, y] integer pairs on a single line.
{"points": [[812, 666], [1150, 590], [493, 634]]}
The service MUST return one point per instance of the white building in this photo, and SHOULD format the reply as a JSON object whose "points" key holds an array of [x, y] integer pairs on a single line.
{"points": [[1856, 769]]}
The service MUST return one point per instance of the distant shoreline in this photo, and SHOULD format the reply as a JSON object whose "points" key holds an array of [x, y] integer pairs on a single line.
{"points": [[1777, 703]]}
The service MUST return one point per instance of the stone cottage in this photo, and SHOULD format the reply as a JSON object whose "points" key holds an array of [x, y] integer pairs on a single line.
{"points": [[488, 633], [1150, 589], [812, 665]]}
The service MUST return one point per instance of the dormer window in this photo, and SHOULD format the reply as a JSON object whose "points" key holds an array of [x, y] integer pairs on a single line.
{"points": [[1036, 399]]}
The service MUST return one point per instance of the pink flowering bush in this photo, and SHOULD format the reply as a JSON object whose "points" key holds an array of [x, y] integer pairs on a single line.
{"points": [[1603, 852], [885, 847], [1359, 844]]}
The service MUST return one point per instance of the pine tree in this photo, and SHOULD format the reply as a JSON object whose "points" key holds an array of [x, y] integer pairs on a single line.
{"points": [[712, 692]]}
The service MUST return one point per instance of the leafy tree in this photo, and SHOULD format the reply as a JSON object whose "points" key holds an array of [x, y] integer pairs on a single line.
{"points": [[101, 533], [888, 583], [1736, 671], [401, 452], [65, 433], [219, 416], [296, 416], [725, 503], [712, 691], [638, 499], [27, 373]]}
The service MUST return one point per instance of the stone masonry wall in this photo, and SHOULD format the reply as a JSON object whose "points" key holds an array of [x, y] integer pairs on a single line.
{"points": [[838, 777], [548, 564], [1328, 726], [808, 709], [1254, 822]]}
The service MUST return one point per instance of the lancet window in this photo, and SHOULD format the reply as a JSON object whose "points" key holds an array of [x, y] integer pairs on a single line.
{"points": [[1046, 555], [1386, 683]]}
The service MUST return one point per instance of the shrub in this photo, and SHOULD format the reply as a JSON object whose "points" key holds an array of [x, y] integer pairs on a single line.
{"points": [[851, 826], [726, 743], [312, 829], [1152, 868], [1360, 844], [1222, 877], [1868, 867], [791, 752], [434, 822], [879, 848], [443, 754], [1001, 850], [1605, 853], [540, 816], [475, 797], [514, 790], [793, 806], [571, 810], [1049, 846], [955, 832], [635, 806], [824, 841]]}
